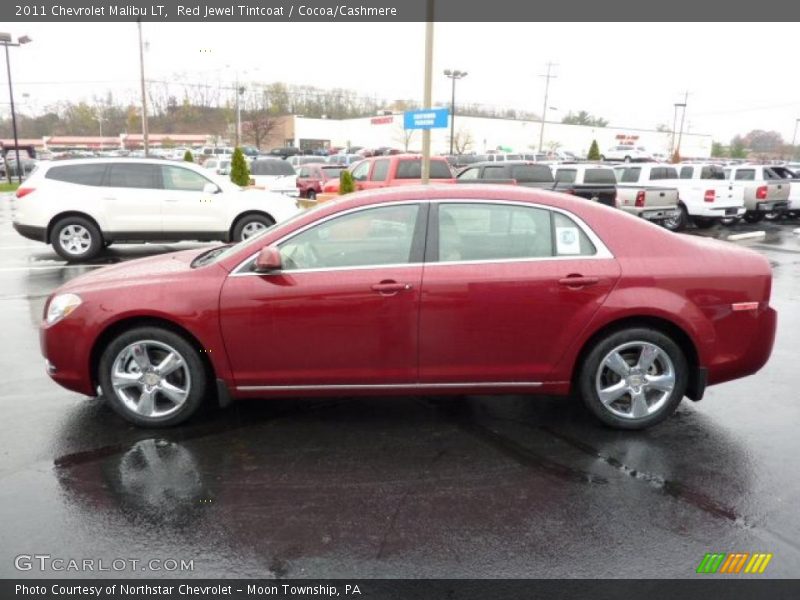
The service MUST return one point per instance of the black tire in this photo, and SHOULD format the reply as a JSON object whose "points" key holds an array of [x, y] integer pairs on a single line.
{"points": [[678, 223], [89, 233], [589, 376], [703, 222], [247, 222], [311, 195], [773, 215], [752, 216], [730, 220], [198, 380]]}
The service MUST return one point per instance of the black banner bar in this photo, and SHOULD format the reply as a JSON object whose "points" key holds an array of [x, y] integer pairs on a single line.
{"points": [[12, 11], [702, 588]]}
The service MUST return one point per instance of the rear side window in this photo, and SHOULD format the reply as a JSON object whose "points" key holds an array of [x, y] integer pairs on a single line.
{"points": [[526, 173], [658, 173], [412, 169], [630, 175], [745, 175], [686, 173], [599, 176], [380, 170], [712, 172], [80, 174], [670, 173], [566, 175], [131, 175], [495, 173], [271, 167]]}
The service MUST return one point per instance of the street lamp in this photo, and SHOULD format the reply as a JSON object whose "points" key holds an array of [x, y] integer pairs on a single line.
{"points": [[453, 75], [5, 39], [794, 137]]}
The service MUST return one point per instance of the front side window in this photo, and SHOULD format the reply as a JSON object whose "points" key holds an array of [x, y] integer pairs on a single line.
{"points": [[185, 180], [374, 236], [130, 175], [493, 232], [381, 170], [361, 171], [471, 173]]}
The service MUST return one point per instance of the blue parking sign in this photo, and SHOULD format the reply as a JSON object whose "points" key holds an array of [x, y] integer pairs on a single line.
{"points": [[432, 118]]}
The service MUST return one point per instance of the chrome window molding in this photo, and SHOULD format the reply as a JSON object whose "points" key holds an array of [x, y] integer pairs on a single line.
{"points": [[602, 251], [387, 386]]}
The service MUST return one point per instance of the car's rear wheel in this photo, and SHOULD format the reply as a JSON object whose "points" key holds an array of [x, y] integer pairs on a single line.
{"points": [[677, 222], [634, 378], [752, 216], [730, 220], [312, 195], [76, 239], [250, 225], [152, 377], [773, 215]]}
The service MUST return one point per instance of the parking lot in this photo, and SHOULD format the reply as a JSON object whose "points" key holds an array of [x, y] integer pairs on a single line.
{"points": [[405, 487]]}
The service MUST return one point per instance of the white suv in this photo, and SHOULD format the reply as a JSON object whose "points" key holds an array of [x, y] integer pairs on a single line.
{"points": [[80, 206], [627, 153]]}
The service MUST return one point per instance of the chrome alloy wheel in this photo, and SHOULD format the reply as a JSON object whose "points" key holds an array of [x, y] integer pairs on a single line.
{"points": [[252, 229], [151, 378], [75, 239], [635, 380]]}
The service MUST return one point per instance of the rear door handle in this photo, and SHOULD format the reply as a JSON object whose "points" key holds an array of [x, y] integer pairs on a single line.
{"points": [[391, 287], [578, 281]]}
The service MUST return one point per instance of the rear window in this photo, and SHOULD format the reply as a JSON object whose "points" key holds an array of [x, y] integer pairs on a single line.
{"points": [[528, 173], [412, 169], [271, 167], [80, 174], [599, 176]]}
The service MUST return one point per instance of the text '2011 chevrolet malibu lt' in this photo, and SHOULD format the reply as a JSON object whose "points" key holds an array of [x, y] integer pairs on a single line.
{"points": [[435, 289]]}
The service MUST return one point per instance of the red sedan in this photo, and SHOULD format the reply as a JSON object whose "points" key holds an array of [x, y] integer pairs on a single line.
{"points": [[436, 289]]}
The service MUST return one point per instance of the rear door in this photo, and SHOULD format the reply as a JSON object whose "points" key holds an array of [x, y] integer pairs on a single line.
{"points": [[506, 288], [133, 198]]}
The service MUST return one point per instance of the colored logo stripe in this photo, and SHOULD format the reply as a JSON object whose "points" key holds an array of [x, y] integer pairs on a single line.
{"points": [[758, 563], [710, 563], [734, 563]]}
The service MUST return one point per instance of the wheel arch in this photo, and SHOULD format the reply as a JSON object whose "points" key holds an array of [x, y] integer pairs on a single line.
{"points": [[696, 385], [247, 213], [71, 213], [118, 327]]}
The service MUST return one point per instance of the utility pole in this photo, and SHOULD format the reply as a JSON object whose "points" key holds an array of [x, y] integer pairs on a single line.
{"points": [[674, 126], [794, 137], [683, 117], [547, 77], [145, 138], [453, 75], [427, 92]]}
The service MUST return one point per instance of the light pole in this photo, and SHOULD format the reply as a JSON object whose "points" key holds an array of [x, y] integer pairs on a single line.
{"points": [[145, 136], [453, 75], [677, 149], [794, 137], [427, 87], [5, 39], [547, 77]]}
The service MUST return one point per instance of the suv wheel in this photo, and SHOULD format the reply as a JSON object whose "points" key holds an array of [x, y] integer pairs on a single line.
{"points": [[250, 225], [634, 378], [76, 239], [152, 377]]}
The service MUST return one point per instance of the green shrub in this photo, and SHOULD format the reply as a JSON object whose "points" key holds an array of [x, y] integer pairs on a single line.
{"points": [[346, 183], [594, 151], [240, 174], [187, 156]]}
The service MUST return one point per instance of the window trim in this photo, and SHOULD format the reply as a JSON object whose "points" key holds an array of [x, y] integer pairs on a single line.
{"points": [[430, 209]]}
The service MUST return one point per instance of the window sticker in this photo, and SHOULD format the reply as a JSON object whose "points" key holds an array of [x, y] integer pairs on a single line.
{"points": [[568, 240]]}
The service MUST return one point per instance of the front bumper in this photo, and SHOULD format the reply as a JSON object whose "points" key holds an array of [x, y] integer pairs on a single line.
{"points": [[37, 234], [66, 348]]}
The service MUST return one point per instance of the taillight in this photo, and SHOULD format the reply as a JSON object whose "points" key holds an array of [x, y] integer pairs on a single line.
{"points": [[761, 192], [709, 196], [22, 192], [640, 199]]}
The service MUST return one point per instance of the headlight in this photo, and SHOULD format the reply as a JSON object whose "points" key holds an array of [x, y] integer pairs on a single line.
{"points": [[60, 306]]}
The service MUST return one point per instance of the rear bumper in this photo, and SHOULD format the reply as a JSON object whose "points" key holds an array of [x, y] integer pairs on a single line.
{"points": [[772, 205], [744, 345], [652, 214], [37, 234], [720, 212]]}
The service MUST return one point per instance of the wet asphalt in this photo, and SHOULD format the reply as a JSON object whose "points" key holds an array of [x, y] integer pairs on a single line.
{"points": [[475, 486]]}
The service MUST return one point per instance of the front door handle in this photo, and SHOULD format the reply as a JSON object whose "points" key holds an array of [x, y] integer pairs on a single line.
{"points": [[391, 287], [576, 281]]}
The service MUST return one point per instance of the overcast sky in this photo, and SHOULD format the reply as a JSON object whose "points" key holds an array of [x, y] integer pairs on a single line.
{"points": [[739, 76]]}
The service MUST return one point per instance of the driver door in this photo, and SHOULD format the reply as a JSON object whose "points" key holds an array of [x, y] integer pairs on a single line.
{"points": [[342, 311]]}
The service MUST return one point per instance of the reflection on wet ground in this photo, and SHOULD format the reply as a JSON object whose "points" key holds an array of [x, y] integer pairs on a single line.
{"points": [[401, 487]]}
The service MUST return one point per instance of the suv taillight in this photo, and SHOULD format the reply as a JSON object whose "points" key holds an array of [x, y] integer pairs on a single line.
{"points": [[761, 192], [22, 192], [709, 196], [640, 199]]}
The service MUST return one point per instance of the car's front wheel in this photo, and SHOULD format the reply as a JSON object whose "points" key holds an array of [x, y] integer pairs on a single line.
{"points": [[634, 378], [152, 377], [76, 239]]}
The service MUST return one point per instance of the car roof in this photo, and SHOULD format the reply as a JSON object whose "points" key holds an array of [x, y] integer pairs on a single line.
{"points": [[504, 163], [122, 159]]}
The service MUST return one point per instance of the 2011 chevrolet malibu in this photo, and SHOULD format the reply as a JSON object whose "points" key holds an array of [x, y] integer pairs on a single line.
{"points": [[437, 289]]}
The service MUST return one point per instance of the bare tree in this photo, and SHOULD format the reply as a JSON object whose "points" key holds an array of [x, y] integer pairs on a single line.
{"points": [[462, 141], [405, 137]]}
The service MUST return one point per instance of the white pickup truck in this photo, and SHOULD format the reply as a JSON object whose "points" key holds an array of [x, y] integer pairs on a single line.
{"points": [[765, 191], [792, 177], [704, 195]]}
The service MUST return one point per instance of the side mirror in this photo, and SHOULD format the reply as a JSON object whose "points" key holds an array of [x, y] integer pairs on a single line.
{"points": [[210, 188], [269, 259]]}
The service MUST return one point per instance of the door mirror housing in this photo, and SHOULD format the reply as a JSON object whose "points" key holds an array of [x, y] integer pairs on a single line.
{"points": [[211, 188], [269, 259]]}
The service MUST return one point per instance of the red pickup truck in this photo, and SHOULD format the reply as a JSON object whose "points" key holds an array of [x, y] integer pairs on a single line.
{"points": [[388, 171]]}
